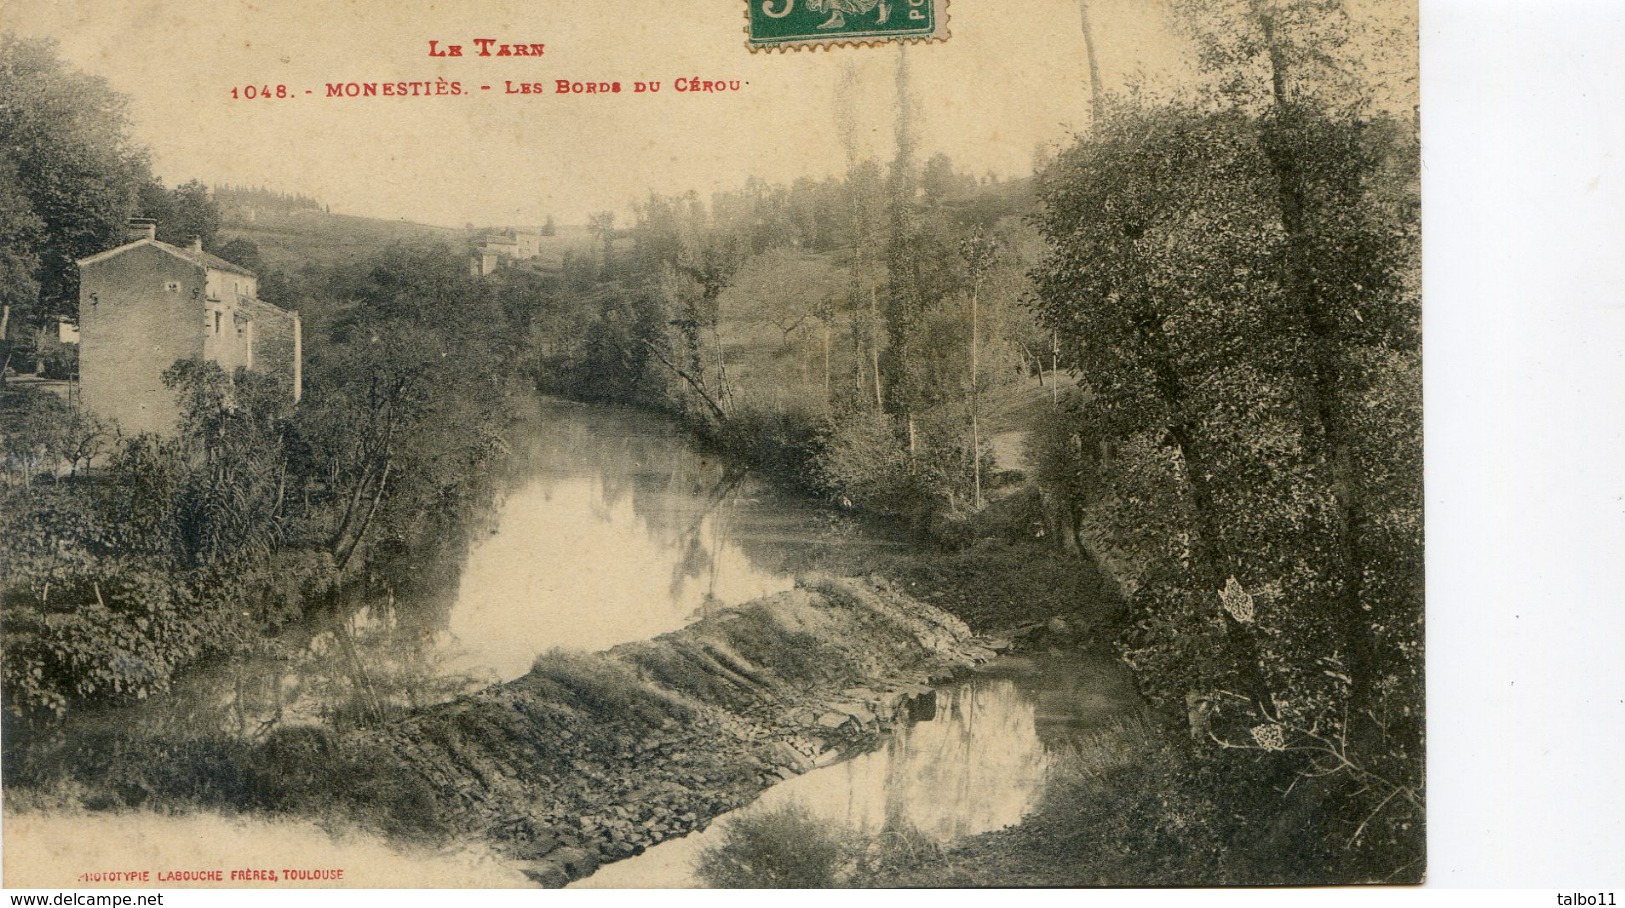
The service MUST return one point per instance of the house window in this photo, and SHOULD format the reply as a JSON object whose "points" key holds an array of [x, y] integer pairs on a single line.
{"points": [[218, 317], [172, 286]]}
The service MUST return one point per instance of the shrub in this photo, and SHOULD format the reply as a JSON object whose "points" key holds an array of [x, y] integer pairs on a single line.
{"points": [[780, 848], [61, 361], [783, 444]]}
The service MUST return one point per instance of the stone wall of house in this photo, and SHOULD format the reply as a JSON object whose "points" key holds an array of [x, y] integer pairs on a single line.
{"points": [[145, 308], [226, 333], [275, 349], [139, 312]]}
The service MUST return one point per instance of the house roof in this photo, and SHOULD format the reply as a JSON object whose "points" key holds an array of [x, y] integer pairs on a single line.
{"points": [[205, 259], [215, 261]]}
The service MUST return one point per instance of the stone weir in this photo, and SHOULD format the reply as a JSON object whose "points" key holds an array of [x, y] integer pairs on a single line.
{"points": [[595, 757]]}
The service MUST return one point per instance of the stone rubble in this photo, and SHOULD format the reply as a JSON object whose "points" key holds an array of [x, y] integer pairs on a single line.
{"points": [[569, 768]]}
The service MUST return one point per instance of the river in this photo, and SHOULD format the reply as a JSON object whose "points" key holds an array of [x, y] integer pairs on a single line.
{"points": [[611, 526]]}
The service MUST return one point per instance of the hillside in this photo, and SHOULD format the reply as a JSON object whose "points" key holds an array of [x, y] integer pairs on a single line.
{"points": [[291, 239]]}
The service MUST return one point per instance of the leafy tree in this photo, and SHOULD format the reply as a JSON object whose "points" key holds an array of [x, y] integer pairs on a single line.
{"points": [[231, 504], [1239, 341], [404, 398], [242, 251], [39, 431], [65, 136], [182, 213], [23, 233], [30, 432]]}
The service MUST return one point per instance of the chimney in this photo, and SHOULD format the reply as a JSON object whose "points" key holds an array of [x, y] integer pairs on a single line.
{"points": [[197, 244], [141, 229]]}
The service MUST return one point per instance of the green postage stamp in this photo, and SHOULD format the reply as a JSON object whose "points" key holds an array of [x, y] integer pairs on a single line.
{"points": [[804, 23]]}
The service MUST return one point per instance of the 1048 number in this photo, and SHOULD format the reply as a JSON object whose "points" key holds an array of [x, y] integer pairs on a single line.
{"points": [[253, 92]]}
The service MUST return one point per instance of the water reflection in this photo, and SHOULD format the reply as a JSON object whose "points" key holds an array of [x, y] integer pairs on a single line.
{"points": [[620, 531], [978, 765], [342, 672], [577, 565]]}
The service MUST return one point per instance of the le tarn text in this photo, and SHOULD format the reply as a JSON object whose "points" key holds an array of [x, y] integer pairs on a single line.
{"points": [[486, 47]]}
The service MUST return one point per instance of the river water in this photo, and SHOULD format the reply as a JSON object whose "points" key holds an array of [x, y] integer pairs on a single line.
{"points": [[620, 530], [611, 527]]}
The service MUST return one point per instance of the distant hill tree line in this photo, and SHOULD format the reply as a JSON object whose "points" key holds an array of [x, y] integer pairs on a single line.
{"points": [[232, 196]]}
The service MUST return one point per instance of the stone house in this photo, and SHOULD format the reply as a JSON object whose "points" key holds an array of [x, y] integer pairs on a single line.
{"points": [[498, 247], [528, 243], [146, 304]]}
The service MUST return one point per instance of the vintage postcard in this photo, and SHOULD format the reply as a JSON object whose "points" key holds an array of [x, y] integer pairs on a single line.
{"points": [[784, 443]]}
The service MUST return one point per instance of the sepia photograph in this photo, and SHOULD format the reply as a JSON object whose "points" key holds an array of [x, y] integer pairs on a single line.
{"points": [[770, 444]]}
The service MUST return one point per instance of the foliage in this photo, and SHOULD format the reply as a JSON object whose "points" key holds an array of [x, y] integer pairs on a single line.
{"points": [[244, 252], [295, 769], [861, 460], [1234, 294], [609, 352], [229, 506], [998, 588], [39, 431], [784, 847], [183, 213], [65, 137], [785, 444], [19, 253], [59, 361]]}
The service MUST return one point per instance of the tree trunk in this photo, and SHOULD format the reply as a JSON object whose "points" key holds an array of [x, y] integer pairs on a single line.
{"points": [[1054, 366], [874, 344], [1097, 104], [826, 363], [1209, 561], [716, 410], [975, 399], [724, 390], [366, 522], [1324, 385], [5, 323]]}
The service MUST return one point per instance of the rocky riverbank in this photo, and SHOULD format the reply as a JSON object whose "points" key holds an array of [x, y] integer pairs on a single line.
{"points": [[592, 758]]}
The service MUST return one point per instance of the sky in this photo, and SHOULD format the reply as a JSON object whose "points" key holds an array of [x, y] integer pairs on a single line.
{"points": [[1012, 77]]}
